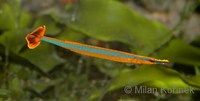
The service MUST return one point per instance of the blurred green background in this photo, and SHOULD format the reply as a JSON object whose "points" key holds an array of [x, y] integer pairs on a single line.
{"points": [[165, 29]]}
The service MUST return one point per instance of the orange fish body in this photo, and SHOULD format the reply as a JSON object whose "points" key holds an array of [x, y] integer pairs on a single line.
{"points": [[33, 39]]}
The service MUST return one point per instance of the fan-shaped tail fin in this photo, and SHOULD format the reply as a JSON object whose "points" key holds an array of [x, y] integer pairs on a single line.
{"points": [[33, 39]]}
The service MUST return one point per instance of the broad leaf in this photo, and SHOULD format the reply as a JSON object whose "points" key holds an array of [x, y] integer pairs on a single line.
{"points": [[13, 40], [181, 52], [167, 77], [7, 18], [51, 28], [43, 56], [110, 20], [151, 76]]}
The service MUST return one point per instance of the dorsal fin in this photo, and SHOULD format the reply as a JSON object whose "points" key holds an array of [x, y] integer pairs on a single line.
{"points": [[33, 39]]}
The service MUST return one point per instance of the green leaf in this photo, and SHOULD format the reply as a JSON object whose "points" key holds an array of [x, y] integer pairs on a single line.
{"points": [[70, 34], [7, 18], [17, 59], [110, 68], [41, 84], [50, 24], [16, 87], [110, 20], [9, 14], [193, 80], [43, 56], [197, 70], [13, 40], [25, 19], [181, 52], [13, 20], [152, 76]]}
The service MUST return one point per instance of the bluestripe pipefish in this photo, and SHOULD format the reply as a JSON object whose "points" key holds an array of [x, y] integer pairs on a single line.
{"points": [[33, 39]]}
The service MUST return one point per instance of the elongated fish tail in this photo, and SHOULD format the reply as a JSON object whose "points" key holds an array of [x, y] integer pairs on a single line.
{"points": [[33, 39], [158, 61]]}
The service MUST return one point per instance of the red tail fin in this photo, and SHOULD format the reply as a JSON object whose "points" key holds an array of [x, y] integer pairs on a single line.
{"points": [[33, 39]]}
